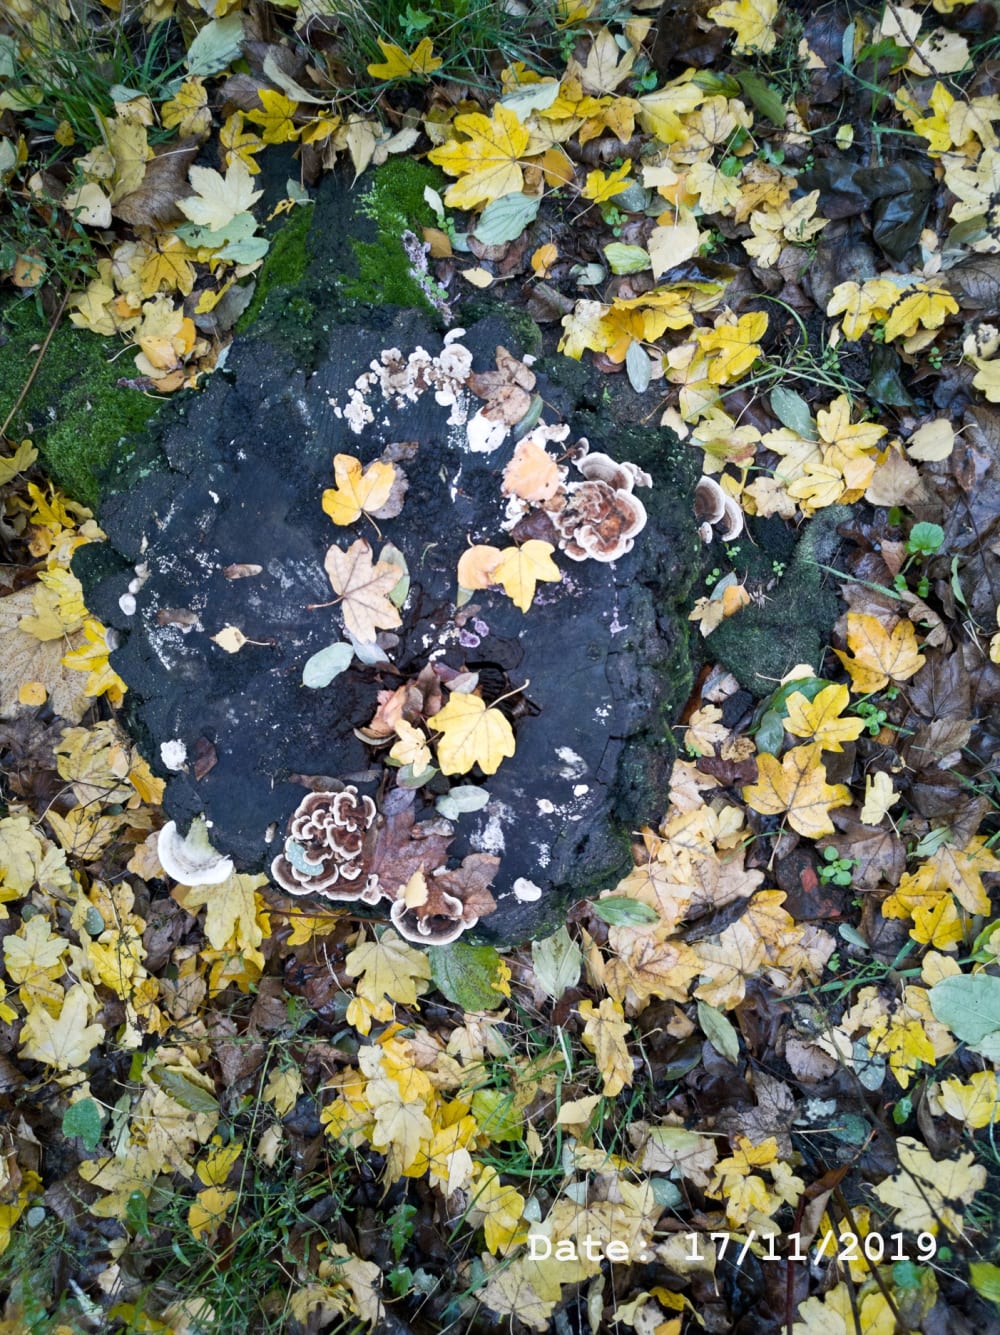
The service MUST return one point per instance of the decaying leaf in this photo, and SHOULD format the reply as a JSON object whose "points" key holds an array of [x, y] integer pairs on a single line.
{"points": [[363, 588]]}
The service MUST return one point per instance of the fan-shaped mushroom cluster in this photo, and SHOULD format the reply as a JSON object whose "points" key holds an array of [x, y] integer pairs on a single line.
{"points": [[322, 855], [602, 515], [341, 848]]}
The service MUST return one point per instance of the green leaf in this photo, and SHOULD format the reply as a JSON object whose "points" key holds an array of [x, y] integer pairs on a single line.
{"points": [[392, 556], [137, 1214], [556, 960], [624, 912], [217, 45], [465, 975], [792, 411], [925, 539], [494, 1110], [83, 1119], [769, 733], [193, 1097], [766, 100], [627, 259], [985, 1279], [465, 797], [504, 219], [323, 666], [637, 365], [666, 1194], [969, 1004], [719, 1032]]}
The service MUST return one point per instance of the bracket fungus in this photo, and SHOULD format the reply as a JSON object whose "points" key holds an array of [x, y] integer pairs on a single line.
{"points": [[323, 851], [341, 847], [713, 506], [602, 516]]}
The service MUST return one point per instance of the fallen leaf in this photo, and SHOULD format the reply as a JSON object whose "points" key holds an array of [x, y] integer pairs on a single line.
{"points": [[471, 734], [877, 656], [358, 492], [520, 568], [797, 787], [363, 588]]}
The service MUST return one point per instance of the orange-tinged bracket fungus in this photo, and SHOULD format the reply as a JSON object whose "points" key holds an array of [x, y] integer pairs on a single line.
{"points": [[602, 516], [713, 506], [340, 847]]}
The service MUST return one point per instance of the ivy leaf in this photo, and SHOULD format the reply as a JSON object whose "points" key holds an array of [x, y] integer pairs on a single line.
{"points": [[363, 587], [357, 491], [471, 734], [797, 787]]}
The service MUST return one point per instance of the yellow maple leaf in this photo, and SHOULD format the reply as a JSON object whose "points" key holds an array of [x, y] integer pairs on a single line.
{"points": [[388, 967], [275, 117], [601, 187], [751, 20], [877, 656], [93, 658], [234, 917], [471, 734], [520, 568], [397, 64], [240, 143], [33, 953], [605, 1034], [735, 346], [411, 749], [487, 160], [797, 787], [207, 1212], [501, 1209], [976, 1103], [821, 719], [861, 304], [923, 306], [187, 111], [357, 492], [920, 1192], [879, 797], [66, 1040], [402, 1126]]}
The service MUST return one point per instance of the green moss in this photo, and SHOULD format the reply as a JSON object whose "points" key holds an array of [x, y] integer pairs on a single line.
{"points": [[285, 265], [792, 625], [394, 202], [79, 416]]}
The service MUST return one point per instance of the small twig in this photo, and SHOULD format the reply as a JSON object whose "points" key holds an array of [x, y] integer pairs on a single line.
{"points": [[34, 370]]}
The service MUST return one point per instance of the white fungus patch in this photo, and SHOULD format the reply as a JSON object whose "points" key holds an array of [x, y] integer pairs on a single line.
{"points": [[526, 891], [173, 754]]}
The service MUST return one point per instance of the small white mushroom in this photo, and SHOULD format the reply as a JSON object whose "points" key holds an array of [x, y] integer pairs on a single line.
{"points": [[190, 859], [714, 506]]}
